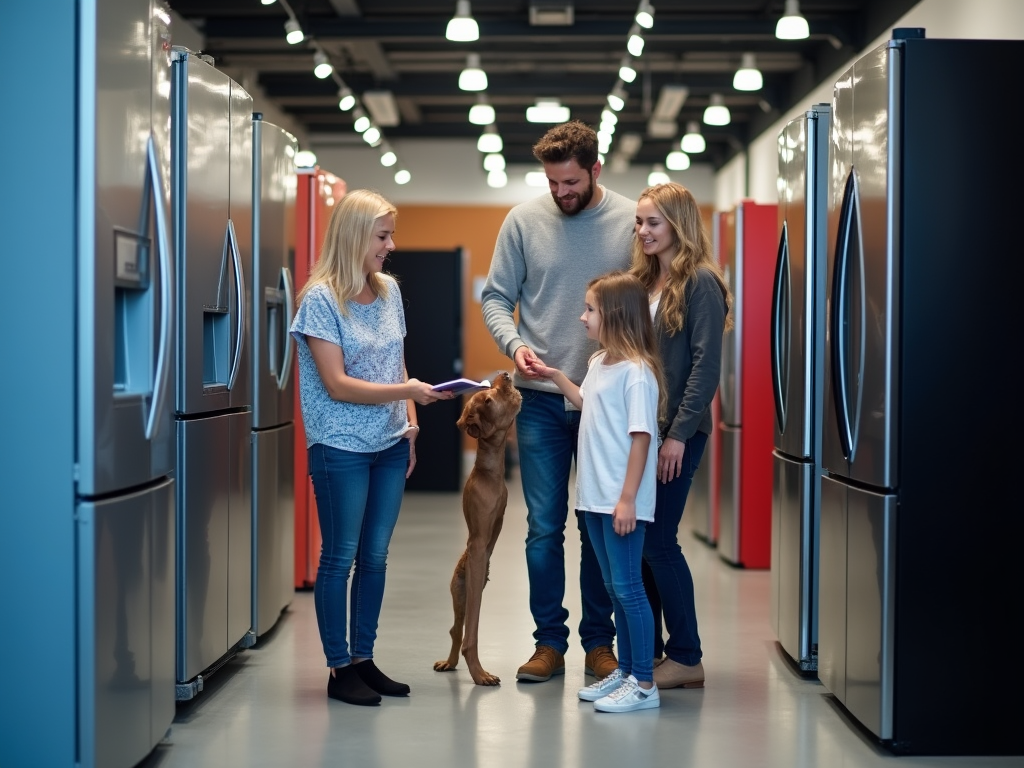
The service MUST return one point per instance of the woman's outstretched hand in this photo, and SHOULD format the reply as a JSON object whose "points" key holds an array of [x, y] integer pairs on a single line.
{"points": [[424, 393]]}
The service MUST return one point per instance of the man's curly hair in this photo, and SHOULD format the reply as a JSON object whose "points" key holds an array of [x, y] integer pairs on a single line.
{"points": [[573, 140]]}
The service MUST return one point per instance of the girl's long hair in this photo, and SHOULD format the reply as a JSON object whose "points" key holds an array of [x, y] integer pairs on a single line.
{"points": [[350, 232], [626, 328], [693, 252]]}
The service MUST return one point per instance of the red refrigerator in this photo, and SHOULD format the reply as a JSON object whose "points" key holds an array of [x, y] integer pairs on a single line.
{"points": [[747, 250], [317, 193]]}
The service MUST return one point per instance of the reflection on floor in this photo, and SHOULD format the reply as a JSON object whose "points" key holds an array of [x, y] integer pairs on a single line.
{"points": [[268, 706]]}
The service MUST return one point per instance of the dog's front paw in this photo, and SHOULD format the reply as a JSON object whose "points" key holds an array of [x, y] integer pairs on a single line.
{"points": [[443, 666], [483, 677]]}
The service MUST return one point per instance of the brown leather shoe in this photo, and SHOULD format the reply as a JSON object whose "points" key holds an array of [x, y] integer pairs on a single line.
{"points": [[672, 674], [544, 663], [600, 662]]}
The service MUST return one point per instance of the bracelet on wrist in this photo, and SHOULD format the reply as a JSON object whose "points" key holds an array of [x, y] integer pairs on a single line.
{"points": [[413, 426]]}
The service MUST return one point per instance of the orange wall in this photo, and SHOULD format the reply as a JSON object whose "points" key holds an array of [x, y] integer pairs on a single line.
{"points": [[474, 229]]}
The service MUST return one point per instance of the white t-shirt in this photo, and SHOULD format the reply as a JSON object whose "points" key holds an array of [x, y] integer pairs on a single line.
{"points": [[617, 400]]}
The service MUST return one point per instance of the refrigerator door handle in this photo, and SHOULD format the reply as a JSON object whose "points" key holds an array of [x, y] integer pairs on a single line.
{"points": [[837, 320], [236, 256], [780, 330], [289, 343], [162, 373]]}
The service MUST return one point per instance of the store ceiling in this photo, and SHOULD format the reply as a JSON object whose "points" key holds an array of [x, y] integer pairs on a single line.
{"points": [[399, 46]]}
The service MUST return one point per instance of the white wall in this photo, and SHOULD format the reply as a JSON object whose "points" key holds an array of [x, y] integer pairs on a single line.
{"points": [[449, 172], [977, 19]]}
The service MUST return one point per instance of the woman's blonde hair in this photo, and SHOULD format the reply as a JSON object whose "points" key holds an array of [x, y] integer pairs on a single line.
{"points": [[350, 232], [626, 328], [693, 251]]}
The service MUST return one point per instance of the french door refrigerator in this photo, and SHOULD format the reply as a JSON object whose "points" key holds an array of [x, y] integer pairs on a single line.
{"points": [[125, 459], [744, 446], [920, 507], [273, 430], [797, 366], [211, 135]]}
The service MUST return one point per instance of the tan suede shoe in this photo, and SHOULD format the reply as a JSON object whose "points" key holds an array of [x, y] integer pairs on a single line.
{"points": [[672, 674], [600, 662], [544, 663]]}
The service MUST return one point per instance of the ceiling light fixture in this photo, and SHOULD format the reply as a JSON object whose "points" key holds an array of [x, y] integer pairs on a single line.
{"points": [[481, 113], [402, 176], [497, 178], [268, 2], [677, 161], [305, 158], [472, 78], [362, 122], [617, 98], [372, 135], [626, 72], [322, 66], [645, 14], [657, 175], [536, 179], [489, 141], [346, 99], [717, 113], [495, 162], [792, 26], [693, 142], [635, 44], [382, 107], [748, 76], [293, 32], [462, 27], [388, 156], [547, 112]]}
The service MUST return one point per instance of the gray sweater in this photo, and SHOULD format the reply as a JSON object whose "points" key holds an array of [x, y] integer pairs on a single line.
{"points": [[542, 262], [693, 358]]}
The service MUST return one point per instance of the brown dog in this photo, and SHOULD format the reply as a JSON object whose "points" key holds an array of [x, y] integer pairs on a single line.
{"points": [[487, 416]]}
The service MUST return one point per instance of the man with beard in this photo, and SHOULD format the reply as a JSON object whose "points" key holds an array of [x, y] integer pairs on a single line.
{"points": [[548, 250]]}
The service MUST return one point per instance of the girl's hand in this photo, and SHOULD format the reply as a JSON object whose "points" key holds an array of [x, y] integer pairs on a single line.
{"points": [[670, 459], [624, 518], [424, 394], [537, 368]]}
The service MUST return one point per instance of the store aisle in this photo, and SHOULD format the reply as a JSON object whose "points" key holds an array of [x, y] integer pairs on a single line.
{"points": [[268, 706]]}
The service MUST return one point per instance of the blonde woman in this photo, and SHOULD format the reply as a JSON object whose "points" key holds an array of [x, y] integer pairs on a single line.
{"points": [[359, 409], [689, 303]]}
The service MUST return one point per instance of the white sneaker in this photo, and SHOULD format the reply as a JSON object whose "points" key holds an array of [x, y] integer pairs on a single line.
{"points": [[629, 697], [602, 688]]}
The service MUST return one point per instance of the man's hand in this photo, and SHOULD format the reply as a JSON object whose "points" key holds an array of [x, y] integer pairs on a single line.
{"points": [[670, 459], [525, 360]]}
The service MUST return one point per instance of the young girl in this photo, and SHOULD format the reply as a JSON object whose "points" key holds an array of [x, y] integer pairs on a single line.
{"points": [[358, 407], [619, 402]]}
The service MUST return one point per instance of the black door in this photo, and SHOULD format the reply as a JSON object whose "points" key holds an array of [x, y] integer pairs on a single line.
{"points": [[431, 284]]}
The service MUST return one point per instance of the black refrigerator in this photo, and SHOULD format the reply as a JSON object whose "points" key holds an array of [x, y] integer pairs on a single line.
{"points": [[920, 526]]}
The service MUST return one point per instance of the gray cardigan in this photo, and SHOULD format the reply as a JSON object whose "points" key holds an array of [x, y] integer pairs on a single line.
{"points": [[692, 358]]}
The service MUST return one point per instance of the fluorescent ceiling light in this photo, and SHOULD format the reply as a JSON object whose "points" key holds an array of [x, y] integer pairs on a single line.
{"points": [[677, 161], [321, 65], [495, 162], [489, 141], [536, 179], [547, 112], [481, 114], [662, 129], [629, 144], [748, 76], [383, 107], [658, 176], [645, 14], [792, 26], [293, 32], [402, 176], [462, 27], [497, 178], [693, 143], [472, 78], [671, 98], [717, 113], [551, 15]]}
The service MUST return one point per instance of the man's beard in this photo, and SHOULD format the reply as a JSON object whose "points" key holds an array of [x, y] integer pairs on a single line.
{"points": [[575, 203]]}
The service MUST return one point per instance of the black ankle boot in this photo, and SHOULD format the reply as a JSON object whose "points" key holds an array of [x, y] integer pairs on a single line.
{"points": [[378, 681], [346, 685]]}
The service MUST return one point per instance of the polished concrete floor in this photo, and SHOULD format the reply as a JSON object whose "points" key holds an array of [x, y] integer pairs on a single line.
{"points": [[268, 706]]}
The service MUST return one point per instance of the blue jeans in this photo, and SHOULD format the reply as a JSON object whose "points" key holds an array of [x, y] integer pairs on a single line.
{"points": [[620, 558], [358, 496], [546, 435], [664, 556]]}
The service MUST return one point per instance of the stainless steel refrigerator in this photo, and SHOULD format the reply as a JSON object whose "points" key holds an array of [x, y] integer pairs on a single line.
{"points": [[273, 428], [797, 365], [211, 138], [920, 523], [125, 432]]}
